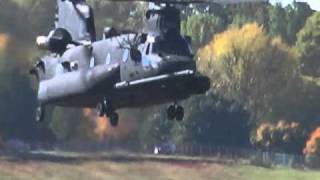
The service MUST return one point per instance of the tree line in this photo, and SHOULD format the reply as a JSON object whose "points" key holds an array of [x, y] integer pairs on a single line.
{"points": [[262, 59]]}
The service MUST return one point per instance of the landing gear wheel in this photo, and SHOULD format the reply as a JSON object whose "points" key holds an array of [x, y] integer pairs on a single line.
{"points": [[40, 114], [114, 119], [104, 108], [108, 110], [179, 113], [171, 112], [175, 112], [100, 110]]}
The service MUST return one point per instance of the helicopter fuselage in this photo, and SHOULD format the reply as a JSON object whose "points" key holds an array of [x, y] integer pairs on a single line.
{"points": [[84, 75]]}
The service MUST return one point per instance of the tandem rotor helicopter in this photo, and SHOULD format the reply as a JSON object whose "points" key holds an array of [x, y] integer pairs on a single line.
{"points": [[124, 69]]}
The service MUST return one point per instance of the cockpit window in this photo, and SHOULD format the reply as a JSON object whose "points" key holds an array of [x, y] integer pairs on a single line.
{"points": [[148, 49], [175, 46], [170, 19]]}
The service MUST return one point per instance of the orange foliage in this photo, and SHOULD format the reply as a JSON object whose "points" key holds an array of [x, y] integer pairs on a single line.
{"points": [[270, 135], [103, 129], [4, 40], [87, 112], [250, 37], [237, 44], [262, 133], [313, 144]]}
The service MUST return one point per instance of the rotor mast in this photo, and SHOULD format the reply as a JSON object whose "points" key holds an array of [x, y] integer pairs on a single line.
{"points": [[161, 19]]}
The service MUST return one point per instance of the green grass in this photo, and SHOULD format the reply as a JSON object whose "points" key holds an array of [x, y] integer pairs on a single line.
{"points": [[142, 168], [258, 173], [311, 79]]}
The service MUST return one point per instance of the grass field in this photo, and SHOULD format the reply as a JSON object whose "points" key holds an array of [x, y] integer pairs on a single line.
{"points": [[117, 168]]}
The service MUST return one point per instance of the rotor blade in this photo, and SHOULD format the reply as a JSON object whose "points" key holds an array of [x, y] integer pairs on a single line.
{"points": [[193, 1]]}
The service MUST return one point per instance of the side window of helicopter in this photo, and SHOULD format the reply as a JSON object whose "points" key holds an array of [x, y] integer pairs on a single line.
{"points": [[108, 59], [70, 66], [74, 66], [125, 55], [148, 49], [156, 47], [92, 62]]}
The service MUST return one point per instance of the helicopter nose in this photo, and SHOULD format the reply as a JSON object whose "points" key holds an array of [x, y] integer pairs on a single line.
{"points": [[175, 63]]}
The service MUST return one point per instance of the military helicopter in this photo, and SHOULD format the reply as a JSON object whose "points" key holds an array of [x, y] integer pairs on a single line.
{"points": [[125, 69]]}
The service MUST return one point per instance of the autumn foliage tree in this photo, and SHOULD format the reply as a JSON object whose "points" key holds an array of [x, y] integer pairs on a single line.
{"points": [[312, 149], [313, 144], [4, 40], [247, 65], [70, 124], [282, 136], [250, 71]]}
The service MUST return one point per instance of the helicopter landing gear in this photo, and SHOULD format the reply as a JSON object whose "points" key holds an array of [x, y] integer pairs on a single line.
{"points": [[100, 110], [171, 112], [179, 113], [175, 112], [40, 112], [114, 119], [104, 108]]}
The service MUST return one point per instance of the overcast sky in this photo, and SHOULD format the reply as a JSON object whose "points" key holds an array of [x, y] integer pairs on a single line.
{"points": [[314, 4]]}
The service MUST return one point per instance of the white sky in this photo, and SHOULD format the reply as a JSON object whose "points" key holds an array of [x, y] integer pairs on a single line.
{"points": [[314, 4]]}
